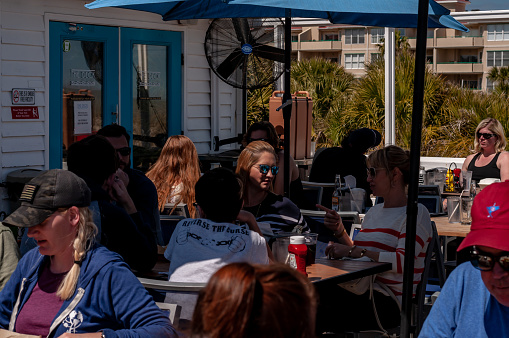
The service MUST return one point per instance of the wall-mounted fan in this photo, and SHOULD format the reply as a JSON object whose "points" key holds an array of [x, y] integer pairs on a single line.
{"points": [[243, 52]]}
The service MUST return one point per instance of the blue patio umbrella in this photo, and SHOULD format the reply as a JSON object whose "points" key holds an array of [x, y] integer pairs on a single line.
{"points": [[382, 13]]}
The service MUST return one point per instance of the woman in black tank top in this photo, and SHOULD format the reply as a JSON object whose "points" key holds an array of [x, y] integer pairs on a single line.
{"points": [[490, 159]]}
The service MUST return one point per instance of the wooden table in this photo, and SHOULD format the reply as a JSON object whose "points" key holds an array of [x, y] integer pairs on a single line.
{"points": [[332, 271], [444, 228]]}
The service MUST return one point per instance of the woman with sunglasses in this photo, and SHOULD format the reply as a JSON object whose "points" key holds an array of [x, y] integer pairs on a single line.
{"points": [[257, 168], [265, 131], [176, 172], [490, 160], [381, 239]]}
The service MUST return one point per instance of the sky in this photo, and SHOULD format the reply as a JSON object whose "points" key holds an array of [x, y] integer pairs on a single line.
{"points": [[486, 5]]}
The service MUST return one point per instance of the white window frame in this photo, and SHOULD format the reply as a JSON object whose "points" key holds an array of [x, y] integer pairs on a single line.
{"points": [[354, 36], [498, 32], [499, 58], [377, 34], [354, 61]]}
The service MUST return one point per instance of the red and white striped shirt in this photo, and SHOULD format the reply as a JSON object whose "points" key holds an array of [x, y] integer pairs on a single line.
{"points": [[384, 231]]}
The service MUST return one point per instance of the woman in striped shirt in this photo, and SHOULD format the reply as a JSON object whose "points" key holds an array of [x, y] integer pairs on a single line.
{"points": [[382, 239]]}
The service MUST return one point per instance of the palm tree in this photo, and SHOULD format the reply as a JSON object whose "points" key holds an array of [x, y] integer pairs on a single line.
{"points": [[501, 77]]}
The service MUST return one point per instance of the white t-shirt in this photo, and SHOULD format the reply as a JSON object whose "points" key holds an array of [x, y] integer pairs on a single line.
{"points": [[200, 247]]}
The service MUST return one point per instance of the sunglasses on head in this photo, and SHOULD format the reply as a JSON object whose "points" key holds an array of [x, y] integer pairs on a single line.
{"points": [[372, 171], [125, 151], [264, 169], [485, 261], [257, 139], [486, 136]]}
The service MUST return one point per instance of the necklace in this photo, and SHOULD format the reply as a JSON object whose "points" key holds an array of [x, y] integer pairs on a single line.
{"points": [[258, 211]]}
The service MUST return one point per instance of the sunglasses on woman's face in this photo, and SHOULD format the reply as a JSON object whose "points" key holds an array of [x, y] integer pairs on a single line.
{"points": [[485, 261], [486, 136], [264, 169], [372, 171]]}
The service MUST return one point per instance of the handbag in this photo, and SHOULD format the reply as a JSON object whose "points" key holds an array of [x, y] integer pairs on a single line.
{"points": [[359, 286]]}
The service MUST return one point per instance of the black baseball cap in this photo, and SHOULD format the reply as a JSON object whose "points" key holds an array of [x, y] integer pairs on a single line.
{"points": [[45, 194]]}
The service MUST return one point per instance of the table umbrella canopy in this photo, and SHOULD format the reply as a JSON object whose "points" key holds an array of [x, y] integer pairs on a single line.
{"points": [[381, 13]]}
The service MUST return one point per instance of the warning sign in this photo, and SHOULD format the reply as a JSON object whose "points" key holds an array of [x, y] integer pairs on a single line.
{"points": [[23, 96], [25, 113]]}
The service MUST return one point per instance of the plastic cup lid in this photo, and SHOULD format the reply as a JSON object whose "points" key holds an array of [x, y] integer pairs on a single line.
{"points": [[297, 240]]}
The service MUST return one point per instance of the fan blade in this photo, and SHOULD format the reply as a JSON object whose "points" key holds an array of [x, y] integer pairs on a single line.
{"points": [[242, 30], [269, 52], [231, 63]]}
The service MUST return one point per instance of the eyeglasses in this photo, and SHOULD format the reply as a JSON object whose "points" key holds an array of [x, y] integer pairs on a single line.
{"points": [[486, 136], [264, 169], [372, 171], [125, 151], [485, 262], [257, 139]]}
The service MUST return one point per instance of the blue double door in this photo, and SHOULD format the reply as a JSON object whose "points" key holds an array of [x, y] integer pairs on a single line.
{"points": [[101, 75]]}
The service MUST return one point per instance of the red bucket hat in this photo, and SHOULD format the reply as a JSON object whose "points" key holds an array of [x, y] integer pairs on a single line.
{"points": [[490, 218]]}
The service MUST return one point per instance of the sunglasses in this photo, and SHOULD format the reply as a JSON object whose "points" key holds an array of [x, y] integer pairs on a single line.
{"points": [[485, 262], [257, 139], [486, 136], [264, 169], [125, 151], [372, 171]]}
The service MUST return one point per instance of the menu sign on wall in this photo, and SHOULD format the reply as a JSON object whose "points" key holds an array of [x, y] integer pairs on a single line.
{"points": [[82, 117]]}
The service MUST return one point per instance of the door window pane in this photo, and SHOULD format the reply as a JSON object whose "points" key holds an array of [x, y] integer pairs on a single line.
{"points": [[82, 76], [150, 115]]}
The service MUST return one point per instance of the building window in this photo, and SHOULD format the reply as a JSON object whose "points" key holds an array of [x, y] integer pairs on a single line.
{"points": [[354, 61], [354, 36], [330, 37], [468, 58], [431, 33], [377, 34], [333, 60], [498, 58], [401, 31], [295, 38], [429, 59], [498, 32], [490, 85], [375, 57]]}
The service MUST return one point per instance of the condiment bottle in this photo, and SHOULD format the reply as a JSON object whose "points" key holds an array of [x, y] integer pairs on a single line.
{"points": [[297, 252]]}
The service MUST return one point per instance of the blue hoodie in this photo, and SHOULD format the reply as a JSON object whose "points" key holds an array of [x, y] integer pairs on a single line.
{"points": [[108, 298]]}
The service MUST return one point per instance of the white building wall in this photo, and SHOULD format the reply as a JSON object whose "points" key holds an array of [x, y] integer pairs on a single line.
{"points": [[24, 53]]}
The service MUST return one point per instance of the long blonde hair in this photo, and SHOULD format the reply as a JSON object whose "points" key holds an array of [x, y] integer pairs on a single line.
{"points": [[85, 238], [178, 163]]}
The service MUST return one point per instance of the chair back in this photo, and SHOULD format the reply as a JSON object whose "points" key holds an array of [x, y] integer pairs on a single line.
{"points": [[181, 209], [175, 309], [433, 251], [314, 191]]}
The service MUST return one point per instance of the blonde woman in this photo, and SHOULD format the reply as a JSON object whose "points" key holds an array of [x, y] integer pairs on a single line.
{"points": [[490, 159], [257, 168], [176, 172], [69, 284]]}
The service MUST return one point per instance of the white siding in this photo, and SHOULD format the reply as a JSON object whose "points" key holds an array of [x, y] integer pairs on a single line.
{"points": [[23, 64]]}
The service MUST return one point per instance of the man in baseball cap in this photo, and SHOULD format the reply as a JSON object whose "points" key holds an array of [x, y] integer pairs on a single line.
{"points": [[475, 299]]}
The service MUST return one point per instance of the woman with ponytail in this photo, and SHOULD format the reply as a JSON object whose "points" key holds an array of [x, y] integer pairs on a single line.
{"points": [[69, 284]]}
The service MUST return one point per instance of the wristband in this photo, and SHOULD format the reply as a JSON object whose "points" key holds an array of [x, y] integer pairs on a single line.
{"points": [[351, 250], [339, 235], [363, 252]]}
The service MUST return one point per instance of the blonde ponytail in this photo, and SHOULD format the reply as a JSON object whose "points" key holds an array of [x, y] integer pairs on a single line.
{"points": [[84, 240]]}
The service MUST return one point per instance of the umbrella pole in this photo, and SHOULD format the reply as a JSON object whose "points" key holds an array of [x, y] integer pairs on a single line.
{"points": [[287, 110], [415, 151]]}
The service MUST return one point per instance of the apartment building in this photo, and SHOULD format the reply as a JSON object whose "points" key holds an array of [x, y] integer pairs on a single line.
{"points": [[462, 58]]}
